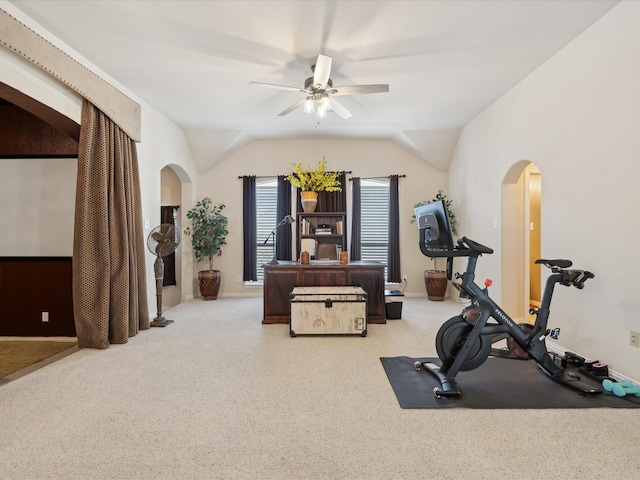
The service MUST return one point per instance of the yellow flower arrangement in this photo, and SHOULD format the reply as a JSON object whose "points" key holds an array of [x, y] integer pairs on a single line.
{"points": [[317, 180]]}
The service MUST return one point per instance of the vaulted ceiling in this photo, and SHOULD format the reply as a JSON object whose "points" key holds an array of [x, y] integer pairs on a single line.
{"points": [[444, 61]]}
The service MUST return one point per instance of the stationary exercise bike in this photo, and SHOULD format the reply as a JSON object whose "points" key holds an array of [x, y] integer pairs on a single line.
{"points": [[465, 341]]}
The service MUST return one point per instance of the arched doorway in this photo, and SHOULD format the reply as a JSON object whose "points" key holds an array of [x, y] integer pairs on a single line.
{"points": [[176, 191], [521, 234]]}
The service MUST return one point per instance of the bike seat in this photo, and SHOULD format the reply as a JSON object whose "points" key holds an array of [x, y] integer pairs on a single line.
{"points": [[555, 263]]}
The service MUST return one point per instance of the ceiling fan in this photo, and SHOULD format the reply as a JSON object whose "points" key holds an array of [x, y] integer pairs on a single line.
{"points": [[319, 88]]}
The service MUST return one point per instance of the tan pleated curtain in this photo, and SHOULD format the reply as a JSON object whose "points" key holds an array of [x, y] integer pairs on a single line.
{"points": [[109, 284]]}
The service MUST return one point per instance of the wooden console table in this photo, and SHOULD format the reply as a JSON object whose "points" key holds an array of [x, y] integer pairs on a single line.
{"points": [[280, 280]]}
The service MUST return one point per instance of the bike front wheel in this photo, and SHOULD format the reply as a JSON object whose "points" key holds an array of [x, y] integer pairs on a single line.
{"points": [[452, 336]]}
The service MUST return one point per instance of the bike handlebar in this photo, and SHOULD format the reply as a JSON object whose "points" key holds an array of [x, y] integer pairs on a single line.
{"points": [[469, 248], [466, 248], [465, 242], [575, 278]]}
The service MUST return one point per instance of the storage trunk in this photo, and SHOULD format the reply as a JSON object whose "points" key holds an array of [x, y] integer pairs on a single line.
{"points": [[328, 311]]}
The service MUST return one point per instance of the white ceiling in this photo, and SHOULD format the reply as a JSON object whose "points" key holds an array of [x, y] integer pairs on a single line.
{"points": [[445, 61]]}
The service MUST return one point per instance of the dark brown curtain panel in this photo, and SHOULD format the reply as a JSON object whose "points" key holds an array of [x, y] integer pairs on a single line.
{"points": [[356, 221], [393, 252], [109, 281], [334, 201], [249, 229], [284, 233]]}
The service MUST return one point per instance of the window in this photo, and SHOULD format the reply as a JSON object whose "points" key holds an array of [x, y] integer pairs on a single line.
{"points": [[375, 219], [266, 210]]}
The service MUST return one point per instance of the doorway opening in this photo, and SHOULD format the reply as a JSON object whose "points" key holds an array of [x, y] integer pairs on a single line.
{"points": [[176, 191], [521, 239]]}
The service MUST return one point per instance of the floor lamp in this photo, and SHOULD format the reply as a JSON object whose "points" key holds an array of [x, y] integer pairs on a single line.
{"points": [[287, 220]]}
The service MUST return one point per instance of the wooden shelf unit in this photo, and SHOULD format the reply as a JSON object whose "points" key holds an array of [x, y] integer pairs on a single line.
{"points": [[307, 229]]}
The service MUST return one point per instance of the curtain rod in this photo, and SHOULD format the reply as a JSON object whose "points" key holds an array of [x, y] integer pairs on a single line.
{"points": [[274, 176], [374, 178]]}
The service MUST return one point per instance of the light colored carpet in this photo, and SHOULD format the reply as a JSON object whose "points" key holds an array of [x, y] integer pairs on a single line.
{"points": [[217, 395]]}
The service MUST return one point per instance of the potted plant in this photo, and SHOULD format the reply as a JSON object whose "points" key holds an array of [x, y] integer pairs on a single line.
{"points": [[435, 280], [208, 234], [310, 182]]}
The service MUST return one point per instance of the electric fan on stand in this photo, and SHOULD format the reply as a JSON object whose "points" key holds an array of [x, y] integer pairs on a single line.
{"points": [[162, 241]]}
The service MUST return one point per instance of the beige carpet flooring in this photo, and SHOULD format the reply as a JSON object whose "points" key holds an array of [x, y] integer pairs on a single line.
{"points": [[217, 395]]}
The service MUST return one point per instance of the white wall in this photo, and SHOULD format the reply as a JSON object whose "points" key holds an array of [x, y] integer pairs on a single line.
{"points": [[363, 158], [163, 143], [576, 118], [38, 203]]}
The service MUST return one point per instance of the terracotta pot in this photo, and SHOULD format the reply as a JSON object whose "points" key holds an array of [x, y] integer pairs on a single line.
{"points": [[436, 283], [309, 201], [209, 281]]}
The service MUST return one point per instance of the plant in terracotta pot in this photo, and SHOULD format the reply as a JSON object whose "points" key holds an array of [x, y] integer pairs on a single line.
{"points": [[435, 280], [208, 234], [311, 181]]}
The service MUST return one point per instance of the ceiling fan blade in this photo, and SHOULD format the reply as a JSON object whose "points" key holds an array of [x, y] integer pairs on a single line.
{"points": [[279, 87], [322, 71], [359, 89], [340, 109], [292, 108]]}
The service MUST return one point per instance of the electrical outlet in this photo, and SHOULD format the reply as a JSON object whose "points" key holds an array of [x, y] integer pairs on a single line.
{"points": [[404, 278], [45, 316], [240, 278], [634, 339]]}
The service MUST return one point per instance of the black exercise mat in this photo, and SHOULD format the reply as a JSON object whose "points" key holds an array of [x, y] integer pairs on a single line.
{"points": [[498, 383]]}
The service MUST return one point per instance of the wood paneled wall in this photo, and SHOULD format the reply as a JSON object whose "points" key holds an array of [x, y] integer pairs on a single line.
{"points": [[30, 286]]}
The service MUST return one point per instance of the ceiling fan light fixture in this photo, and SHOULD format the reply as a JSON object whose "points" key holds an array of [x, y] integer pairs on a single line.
{"points": [[324, 105], [309, 106]]}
